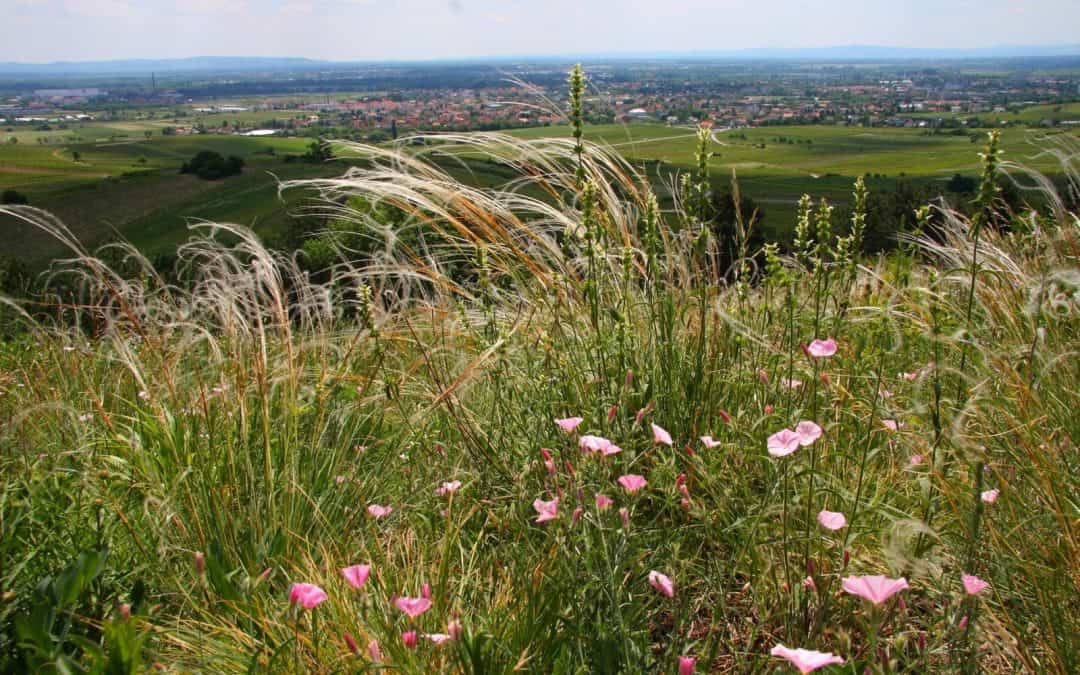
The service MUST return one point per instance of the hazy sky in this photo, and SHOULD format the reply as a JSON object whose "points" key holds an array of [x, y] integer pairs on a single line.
{"points": [[47, 30]]}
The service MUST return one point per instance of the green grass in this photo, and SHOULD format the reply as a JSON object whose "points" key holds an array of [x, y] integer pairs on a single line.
{"points": [[176, 459]]}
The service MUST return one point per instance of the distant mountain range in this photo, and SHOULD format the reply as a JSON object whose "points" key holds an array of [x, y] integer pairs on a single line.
{"points": [[239, 64]]}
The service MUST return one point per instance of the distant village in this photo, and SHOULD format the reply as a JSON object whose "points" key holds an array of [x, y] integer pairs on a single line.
{"points": [[902, 102]]}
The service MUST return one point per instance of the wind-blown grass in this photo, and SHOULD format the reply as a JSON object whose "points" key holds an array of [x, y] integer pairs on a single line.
{"points": [[223, 438]]}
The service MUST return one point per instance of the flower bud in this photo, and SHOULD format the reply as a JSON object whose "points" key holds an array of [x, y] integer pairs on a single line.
{"points": [[410, 639], [351, 644], [200, 563]]}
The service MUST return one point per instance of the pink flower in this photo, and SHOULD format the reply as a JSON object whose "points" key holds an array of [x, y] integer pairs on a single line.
{"points": [[791, 384], [546, 510], [373, 651], [686, 665], [769, 409], [308, 595], [409, 638], [662, 583], [378, 511], [963, 622], [603, 502], [448, 488], [356, 575], [891, 425], [724, 416], [453, 629], [973, 585], [425, 591], [808, 583], [549, 461], [808, 432], [820, 349], [831, 520], [910, 377], [632, 482], [877, 589], [437, 638], [763, 376], [569, 424], [413, 607], [783, 443], [598, 444], [660, 435], [612, 412], [990, 496], [915, 460], [200, 562], [806, 660], [709, 442]]}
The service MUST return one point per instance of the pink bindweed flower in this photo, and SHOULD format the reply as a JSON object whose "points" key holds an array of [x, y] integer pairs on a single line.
{"points": [[378, 511], [437, 638], [832, 520], [549, 461], [308, 595], [660, 435], [910, 377], [413, 607], [356, 575], [453, 629], [350, 642], [808, 432], [973, 585], [603, 502], [990, 496], [783, 443], [915, 460], [569, 424], [806, 660], [374, 652], [792, 383], [877, 589], [448, 488], [546, 510], [662, 583], [821, 349], [686, 665], [891, 425], [709, 442], [598, 444], [410, 639], [632, 482]]}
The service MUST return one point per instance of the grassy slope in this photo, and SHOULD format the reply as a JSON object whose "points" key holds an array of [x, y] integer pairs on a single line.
{"points": [[262, 433]]}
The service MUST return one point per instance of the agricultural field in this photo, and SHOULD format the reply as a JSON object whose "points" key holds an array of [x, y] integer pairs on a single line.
{"points": [[133, 188]]}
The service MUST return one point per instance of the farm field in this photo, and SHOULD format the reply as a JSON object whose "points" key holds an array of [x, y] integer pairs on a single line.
{"points": [[125, 181]]}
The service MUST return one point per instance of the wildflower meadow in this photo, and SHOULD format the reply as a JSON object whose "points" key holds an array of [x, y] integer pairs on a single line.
{"points": [[555, 427]]}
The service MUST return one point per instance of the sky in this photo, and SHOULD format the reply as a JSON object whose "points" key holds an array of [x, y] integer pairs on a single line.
{"points": [[53, 30]]}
